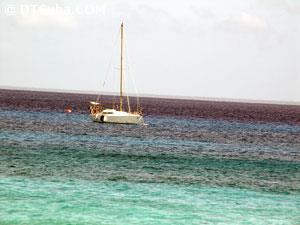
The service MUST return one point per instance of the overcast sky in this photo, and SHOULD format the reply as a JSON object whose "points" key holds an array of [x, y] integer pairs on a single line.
{"points": [[214, 48]]}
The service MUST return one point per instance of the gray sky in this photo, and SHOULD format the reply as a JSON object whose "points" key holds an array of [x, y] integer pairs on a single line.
{"points": [[214, 48]]}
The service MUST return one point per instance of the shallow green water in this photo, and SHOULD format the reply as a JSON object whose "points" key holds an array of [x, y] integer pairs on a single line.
{"points": [[36, 201]]}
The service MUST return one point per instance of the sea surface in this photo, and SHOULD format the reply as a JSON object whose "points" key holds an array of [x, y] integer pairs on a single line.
{"points": [[234, 165]]}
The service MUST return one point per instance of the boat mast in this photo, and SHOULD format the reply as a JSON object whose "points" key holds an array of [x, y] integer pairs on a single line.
{"points": [[121, 72]]}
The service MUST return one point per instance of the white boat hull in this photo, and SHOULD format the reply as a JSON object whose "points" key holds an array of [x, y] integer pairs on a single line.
{"points": [[117, 117]]}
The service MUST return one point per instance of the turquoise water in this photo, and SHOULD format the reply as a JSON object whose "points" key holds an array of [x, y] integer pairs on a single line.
{"points": [[39, 201], [58, 168]]}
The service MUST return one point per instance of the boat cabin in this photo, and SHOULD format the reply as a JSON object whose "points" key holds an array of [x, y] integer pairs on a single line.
{"points": [[95, 107]]}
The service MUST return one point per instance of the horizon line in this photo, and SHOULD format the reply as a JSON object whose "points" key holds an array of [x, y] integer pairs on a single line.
{"points": [[215, 99]]}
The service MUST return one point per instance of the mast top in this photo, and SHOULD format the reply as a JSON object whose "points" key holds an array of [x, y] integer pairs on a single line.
{"points": [[121, 71]]}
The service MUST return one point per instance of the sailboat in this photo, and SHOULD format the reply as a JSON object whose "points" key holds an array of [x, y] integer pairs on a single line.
{"points": [[110, 115]]}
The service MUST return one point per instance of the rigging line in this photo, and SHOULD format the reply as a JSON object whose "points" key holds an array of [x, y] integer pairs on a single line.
{"points": [[135, 88], [109, 66], [127, 97], [132, 80], [114, 91]]}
